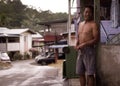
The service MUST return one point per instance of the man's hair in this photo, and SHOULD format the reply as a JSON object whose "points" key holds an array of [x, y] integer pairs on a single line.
{"points": [[91, 8]]}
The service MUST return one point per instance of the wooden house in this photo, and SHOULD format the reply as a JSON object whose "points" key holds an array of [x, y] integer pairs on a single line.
{"points": [[12, 40]]}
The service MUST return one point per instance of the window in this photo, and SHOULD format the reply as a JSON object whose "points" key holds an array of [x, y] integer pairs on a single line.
{"points": [[2, 40], [13, 39]]}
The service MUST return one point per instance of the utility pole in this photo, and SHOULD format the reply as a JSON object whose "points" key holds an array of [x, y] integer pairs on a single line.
{"points": [[69, 22]]}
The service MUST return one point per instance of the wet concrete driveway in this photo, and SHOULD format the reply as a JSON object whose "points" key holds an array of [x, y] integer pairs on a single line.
{"points": [[23, 73]]}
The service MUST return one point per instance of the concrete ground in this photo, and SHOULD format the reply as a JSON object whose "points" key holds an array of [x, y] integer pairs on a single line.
{"points": [[28, 73], [66, 82]]}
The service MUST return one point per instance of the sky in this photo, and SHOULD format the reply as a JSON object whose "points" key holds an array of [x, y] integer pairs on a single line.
{"points": [[52, 5]]}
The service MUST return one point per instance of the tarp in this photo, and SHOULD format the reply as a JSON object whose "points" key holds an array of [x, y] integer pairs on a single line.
{"points": [[58, 46]]}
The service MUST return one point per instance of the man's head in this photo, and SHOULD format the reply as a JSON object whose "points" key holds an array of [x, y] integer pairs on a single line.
{"points": [[88, 13]]}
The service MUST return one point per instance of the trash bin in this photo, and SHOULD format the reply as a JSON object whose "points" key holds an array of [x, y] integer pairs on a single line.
{"points": [[69, 65]]}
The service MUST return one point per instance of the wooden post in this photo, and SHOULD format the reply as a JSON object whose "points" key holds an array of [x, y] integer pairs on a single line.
{"points": [[56, 55], [6, 44], [97, 19], [97, 11]]}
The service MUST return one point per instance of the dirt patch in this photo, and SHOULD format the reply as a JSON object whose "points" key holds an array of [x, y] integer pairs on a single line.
{"points": [[5, 65], [35, 63], [58, 64]]}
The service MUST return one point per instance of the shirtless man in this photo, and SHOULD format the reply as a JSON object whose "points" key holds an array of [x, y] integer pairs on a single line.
{"points": [[88, 36]]}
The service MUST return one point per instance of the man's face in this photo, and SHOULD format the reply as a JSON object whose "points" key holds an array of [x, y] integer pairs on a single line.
{"points": [[87, 14]]}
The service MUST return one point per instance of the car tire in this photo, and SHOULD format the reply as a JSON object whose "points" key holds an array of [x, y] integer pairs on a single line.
{"points": [[43, 63]]}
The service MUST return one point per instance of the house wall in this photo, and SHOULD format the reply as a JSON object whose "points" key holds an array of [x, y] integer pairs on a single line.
{"points": [[13, 46], [29, 41], [25, 42], [108, 65], [21, 43]]}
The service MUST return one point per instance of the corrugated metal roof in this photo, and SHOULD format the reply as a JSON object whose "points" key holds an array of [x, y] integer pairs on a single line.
{"points": [[50, 38], [37, 35], [15, 31], [9, 35], [3, 29]]}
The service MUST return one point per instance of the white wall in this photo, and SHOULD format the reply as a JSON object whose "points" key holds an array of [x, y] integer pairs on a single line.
{"points": [[25, 42], [21, 44], [13, 46]]}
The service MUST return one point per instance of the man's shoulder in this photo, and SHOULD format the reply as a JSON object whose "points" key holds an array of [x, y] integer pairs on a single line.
{"points": [[93, 23], [81, 23], [90, 22]]}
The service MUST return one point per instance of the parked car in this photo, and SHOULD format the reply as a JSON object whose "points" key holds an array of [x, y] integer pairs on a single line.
{"points": [[50, 58], [4, 57], [60, 55]]}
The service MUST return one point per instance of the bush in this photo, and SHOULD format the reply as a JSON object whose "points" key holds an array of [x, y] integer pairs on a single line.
{"points": [[17, 56], [26, 55]]}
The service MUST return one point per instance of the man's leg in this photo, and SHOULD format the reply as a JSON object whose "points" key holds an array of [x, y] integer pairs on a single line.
{"points": [[91, 80], [82, 80]]}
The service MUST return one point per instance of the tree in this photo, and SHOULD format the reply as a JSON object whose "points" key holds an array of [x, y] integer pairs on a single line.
{"points": [[13, 14], [13, 11], [31, 17]]}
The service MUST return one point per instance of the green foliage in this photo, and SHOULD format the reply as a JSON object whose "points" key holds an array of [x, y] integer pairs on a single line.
{"points": [[26, 56], [13, 14], [17, 56]]}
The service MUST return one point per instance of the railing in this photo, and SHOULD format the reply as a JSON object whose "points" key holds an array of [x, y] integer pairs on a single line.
{"points": [[105, 33], [110, 38], [9, 47], [115, 39]]}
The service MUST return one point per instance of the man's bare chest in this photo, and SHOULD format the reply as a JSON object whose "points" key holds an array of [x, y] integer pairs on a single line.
{"points": [[85, 29]]}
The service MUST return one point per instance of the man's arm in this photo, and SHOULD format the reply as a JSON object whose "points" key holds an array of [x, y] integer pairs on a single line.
{"points": [[77, 43], [96, 35], [77, 39]]}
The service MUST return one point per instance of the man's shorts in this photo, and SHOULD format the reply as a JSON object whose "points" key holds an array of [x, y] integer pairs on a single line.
{"points": [[86, 61]]}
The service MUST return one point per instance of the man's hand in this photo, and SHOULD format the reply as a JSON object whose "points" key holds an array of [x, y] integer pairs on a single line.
{"points": [[80, 46]]}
